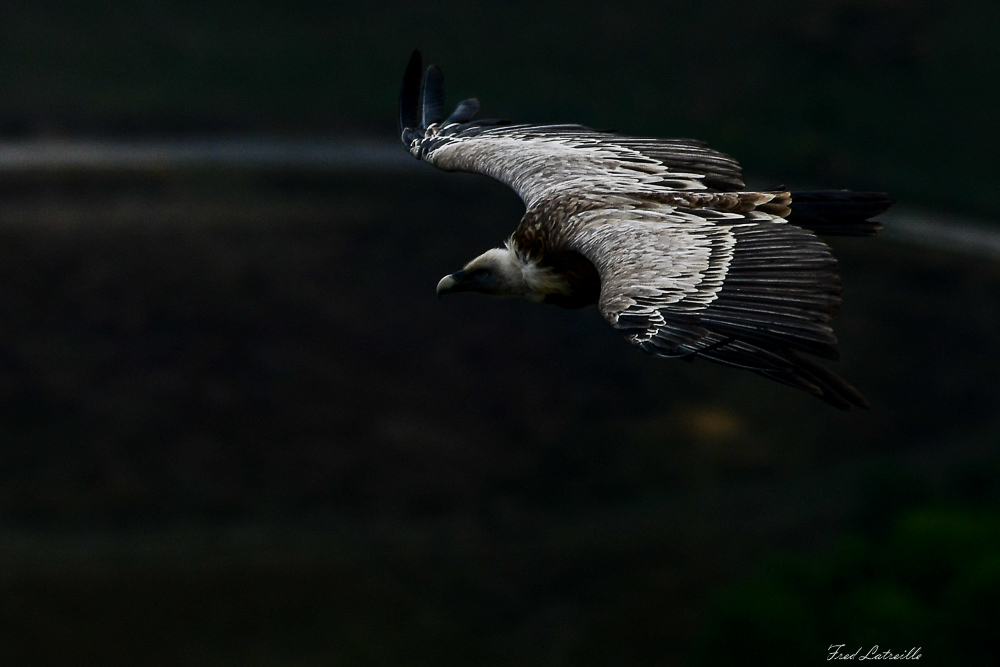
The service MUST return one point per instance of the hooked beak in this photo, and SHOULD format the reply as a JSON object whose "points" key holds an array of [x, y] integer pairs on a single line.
{"points": [[456, 282]]}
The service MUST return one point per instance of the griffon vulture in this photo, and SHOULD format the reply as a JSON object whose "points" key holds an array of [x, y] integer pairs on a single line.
{"points": [[661, 234]]}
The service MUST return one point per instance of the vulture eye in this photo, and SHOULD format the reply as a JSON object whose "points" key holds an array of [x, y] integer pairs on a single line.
{"points": [[482, 273]]}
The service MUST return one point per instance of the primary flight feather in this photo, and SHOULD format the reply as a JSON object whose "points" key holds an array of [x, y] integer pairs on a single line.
{"points": [[659, 233]]}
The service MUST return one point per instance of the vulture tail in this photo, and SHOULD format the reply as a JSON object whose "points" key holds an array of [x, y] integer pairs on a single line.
{"points": [[839, 212]]}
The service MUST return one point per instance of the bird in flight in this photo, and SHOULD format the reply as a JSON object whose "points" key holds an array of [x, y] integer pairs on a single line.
{"points": [[661, 234]]}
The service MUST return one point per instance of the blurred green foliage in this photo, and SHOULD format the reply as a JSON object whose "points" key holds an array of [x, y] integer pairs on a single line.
{"points": [[932, 581], [891, 94]]}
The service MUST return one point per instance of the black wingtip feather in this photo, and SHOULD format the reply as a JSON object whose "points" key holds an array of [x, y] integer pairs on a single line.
{"points": [[409, 94], [834, 389], [433, 96], [464, 112]]}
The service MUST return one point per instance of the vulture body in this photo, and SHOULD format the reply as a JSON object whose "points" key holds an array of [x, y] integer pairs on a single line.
{"points": [[660, 234]]}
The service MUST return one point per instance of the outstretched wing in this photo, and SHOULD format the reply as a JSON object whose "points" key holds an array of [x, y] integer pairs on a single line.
{"points": [[543, 161], [738, 287]]}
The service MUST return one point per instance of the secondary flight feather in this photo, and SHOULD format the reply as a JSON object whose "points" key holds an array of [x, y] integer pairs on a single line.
{"points": [[660, 234]]}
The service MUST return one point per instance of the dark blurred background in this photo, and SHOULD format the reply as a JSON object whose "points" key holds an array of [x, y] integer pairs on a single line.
{"points": [[238, 428]]}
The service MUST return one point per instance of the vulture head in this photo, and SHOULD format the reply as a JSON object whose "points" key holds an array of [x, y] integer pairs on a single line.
{"points": [[502, 272]]}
